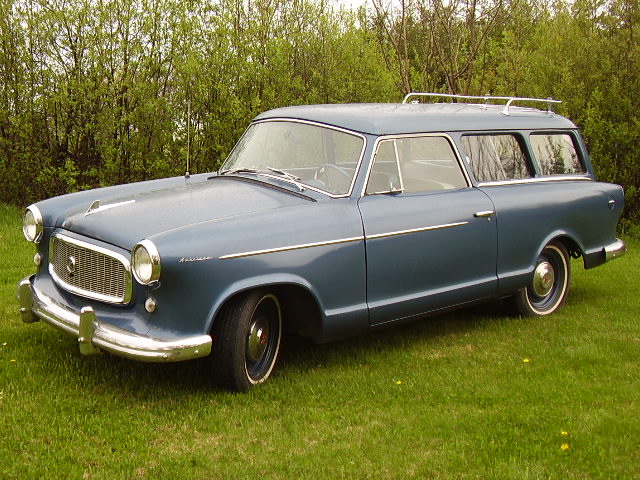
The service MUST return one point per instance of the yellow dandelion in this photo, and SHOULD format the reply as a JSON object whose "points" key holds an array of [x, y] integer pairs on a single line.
{"points": [[564, 434], [399, 382], [526, 360], [13, 360], [564, 447]]}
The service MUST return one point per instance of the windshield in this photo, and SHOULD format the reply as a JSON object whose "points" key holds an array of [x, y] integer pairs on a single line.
{"points": [[318, 157]]}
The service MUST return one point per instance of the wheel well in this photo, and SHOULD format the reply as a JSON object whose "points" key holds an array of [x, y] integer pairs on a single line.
{"points": [[571, 245], [300, 311]]}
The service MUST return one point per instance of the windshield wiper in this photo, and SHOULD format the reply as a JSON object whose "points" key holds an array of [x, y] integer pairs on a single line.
{"points": [[295, 180], [239, 170], [286, 175]]}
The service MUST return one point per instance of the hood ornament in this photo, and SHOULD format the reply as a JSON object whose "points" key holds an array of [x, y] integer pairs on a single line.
{"points": [[95, 207]]}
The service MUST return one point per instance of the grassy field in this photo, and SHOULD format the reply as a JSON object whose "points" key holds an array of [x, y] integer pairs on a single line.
{"points": [[468, 395]]}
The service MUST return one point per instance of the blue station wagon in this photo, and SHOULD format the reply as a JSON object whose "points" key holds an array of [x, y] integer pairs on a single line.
{"points": [[326, 221]]}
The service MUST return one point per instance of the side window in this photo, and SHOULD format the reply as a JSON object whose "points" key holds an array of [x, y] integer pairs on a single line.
{"points": [[384, 175], [556, 154], [496, 157], [415, 164]]}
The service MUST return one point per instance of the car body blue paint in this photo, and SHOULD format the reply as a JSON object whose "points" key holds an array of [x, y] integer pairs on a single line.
{"points": [[365, 260], [415, 273]]}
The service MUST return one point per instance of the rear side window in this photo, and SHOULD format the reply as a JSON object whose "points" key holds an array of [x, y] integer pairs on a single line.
{"points": [[556, 154], [496, 157]]}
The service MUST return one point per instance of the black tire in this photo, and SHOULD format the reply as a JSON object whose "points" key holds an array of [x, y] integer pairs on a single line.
{"points": [[549, 283], [246, 340]]}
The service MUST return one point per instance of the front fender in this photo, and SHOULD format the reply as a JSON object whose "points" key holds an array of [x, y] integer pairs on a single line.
{"points": [[318, 247], [260, 281]]}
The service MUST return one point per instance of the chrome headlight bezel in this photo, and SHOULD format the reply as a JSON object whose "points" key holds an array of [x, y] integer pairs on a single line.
{"points": [[145, 262], [32, 224]]}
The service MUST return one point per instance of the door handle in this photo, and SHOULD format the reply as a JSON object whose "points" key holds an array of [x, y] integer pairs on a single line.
{"points": [[484, 214]]}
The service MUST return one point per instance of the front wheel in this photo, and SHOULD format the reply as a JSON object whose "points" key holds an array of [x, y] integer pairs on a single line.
{"points": [[549, 284], [246, 340]]}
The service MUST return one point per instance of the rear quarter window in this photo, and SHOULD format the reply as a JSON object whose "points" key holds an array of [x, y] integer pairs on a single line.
{"points": [[556, 153]]}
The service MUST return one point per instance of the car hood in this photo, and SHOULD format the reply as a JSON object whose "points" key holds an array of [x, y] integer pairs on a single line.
{"points": [[127, 219]]}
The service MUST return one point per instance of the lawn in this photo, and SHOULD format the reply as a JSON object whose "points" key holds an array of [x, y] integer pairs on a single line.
{"points": [[473, 394]]}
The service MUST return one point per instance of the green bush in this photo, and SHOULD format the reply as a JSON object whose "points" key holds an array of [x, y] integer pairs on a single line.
{"points": [[103, 93]]}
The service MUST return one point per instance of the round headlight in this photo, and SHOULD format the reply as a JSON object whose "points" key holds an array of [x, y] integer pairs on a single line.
{"points": [[32, 224], [145, 262]]}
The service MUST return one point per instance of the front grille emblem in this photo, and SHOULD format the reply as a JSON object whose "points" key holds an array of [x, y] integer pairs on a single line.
{"points": [[71, 265]]}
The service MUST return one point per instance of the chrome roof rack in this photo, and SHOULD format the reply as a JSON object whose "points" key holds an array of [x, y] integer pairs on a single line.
{"points": [[486, 98]]}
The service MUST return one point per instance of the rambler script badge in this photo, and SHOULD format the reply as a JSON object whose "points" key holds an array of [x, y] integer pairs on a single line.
{"points": [[194, 259]]}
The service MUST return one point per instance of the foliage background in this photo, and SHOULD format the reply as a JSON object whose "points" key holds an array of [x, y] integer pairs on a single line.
{"points": [[99, 92]]}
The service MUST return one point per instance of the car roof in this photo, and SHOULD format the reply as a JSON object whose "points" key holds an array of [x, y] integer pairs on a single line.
{"points": [[402, 118]]}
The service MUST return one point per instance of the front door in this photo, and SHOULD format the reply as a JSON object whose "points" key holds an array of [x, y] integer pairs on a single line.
{"points": [[430, 237]]}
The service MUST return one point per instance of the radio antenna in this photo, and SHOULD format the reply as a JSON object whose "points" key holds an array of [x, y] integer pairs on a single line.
{"points": [[188, 135]]}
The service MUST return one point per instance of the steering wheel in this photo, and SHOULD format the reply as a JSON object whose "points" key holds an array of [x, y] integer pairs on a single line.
{"points": [[335, 183]]}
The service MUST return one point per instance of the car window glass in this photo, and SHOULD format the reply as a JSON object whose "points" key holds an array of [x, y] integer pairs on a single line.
{"points": [[320, 157], [415, 164], [556, 154], [496, 157], [384, 176]]}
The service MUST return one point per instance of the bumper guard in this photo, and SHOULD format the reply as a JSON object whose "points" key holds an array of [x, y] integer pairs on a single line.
{"points": [[615, 250]]}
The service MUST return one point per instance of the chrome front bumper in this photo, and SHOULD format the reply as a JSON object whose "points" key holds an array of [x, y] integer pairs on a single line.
{"points": [[94, 335]]}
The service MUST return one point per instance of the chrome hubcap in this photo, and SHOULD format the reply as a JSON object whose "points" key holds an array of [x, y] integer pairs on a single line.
{"points": [[258, 339], [543, 279]]}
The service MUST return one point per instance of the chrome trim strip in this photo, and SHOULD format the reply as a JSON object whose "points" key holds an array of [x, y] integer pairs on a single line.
{"points": [[104, 251], [291, 247], [551, 178], [615, 250], [339, 241], [97, 335], [415, 230]]}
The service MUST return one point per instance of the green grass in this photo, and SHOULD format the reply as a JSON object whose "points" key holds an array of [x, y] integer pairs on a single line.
{"points": [[449, 397]]}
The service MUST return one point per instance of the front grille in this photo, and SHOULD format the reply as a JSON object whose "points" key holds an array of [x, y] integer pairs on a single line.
{"points": [[89, 271]]}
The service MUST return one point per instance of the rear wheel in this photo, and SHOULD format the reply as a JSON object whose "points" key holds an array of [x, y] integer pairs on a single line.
{"points": [[246, 340], [549, 284]]}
